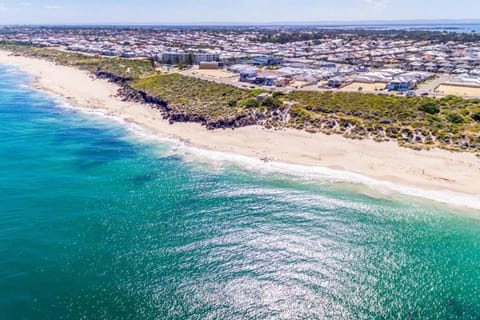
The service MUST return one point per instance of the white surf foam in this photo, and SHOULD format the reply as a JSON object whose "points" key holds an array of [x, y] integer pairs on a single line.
{"points": [[317, 173], [331, 175]]}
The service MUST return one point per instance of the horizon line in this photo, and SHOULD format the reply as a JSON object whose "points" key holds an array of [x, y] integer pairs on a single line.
{"points": [[271, 23]]}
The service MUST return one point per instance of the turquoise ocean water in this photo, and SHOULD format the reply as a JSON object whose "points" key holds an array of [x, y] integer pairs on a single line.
{"points": [[96, 223]]}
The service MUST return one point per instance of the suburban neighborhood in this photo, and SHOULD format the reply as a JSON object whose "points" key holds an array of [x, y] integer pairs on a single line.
{"points": [[344, 60]]}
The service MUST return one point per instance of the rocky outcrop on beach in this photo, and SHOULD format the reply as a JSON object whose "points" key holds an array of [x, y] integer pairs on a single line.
{"points": [[174, 114], [112, 77], [277, 118]]}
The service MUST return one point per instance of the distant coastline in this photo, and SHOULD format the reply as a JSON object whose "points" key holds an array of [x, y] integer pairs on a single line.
{"points": [[401, 24]]}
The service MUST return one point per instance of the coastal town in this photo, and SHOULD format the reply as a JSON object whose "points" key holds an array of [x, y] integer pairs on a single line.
{"points": [[344, 60]]}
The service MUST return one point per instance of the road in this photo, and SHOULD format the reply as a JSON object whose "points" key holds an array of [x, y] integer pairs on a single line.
{"points": [[430, 86]]}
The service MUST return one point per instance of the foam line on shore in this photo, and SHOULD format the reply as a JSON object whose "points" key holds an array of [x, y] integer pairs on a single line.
{"points": [[300, 171], [315, 172], [337, 176]]}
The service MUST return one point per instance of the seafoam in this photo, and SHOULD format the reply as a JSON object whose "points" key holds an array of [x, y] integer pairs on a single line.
{"points": [[222, 159]]}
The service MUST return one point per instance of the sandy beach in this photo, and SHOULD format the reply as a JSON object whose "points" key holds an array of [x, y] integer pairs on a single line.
{"points": [[430, 170]]}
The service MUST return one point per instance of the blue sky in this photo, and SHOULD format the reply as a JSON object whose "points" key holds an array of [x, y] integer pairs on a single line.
{"points": [[236, 11]]}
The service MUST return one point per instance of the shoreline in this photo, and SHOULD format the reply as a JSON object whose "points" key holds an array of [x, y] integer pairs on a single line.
{"points": [[432, 171]]}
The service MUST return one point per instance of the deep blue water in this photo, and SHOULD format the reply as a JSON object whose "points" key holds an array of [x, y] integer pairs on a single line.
{"points": [[442, 27], [96, 224]]}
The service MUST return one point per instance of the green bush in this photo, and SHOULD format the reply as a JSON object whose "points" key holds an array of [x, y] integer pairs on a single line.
{"points": [[454, 118], [476, 116], [252, 103], [278, 94], [430, 108], [271, 102]]}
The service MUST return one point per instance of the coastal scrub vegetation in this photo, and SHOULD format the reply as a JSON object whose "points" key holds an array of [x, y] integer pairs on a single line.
{"points": [[192, 98], [412, 121], [216, 105], [127, 69], [419, 122]]}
